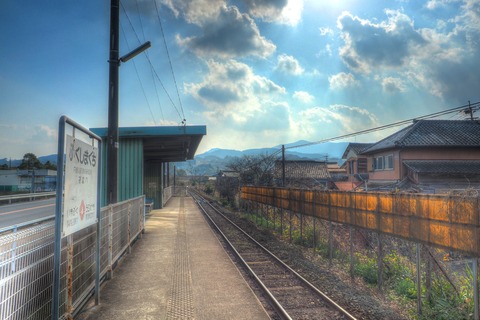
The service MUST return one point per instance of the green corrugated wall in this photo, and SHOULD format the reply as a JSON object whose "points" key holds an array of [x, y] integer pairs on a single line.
{"points": [[153, 183], [130, 170], [130, 175]]}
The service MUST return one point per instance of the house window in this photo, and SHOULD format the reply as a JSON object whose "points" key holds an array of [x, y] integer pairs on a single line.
{"points": [[383, 162], [379, 163], [389, 161]]}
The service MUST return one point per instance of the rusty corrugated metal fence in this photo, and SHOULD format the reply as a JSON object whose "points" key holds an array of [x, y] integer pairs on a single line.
{"points": [[450, 222]]}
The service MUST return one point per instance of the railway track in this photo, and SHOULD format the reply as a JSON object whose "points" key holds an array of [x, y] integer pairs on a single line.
{"points": [[290, 295]]}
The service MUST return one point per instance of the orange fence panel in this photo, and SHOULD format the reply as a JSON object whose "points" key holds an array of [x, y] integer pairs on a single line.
{"points": [[450, 222]]}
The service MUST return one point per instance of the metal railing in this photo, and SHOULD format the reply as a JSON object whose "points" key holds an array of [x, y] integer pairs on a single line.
{"points": [[167, 194], [26, 261], [9, 198]]}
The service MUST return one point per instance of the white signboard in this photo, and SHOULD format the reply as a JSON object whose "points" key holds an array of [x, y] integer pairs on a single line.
{"points": [[81, 174]]}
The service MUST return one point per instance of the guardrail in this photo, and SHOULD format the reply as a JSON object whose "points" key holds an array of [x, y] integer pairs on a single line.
{"points": [[26, 261], [30, 196]]}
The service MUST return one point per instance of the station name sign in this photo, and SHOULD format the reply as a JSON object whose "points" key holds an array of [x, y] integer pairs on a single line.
{"points": [[81, 176]]}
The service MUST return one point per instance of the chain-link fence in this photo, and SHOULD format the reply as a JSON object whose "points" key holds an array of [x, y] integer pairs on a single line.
{"points": [[27, 253]]}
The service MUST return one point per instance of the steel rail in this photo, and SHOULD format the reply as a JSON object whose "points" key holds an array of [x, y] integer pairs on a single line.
{"points": [[274, 302], [302, 279]]}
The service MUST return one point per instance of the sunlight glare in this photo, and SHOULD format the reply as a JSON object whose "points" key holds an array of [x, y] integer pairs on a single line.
{"points": [[292, 13]]}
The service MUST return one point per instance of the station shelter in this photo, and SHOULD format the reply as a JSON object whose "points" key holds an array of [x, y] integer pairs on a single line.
{"points": [[144, 158]]}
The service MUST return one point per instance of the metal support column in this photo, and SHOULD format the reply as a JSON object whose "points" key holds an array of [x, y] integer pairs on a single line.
{"points": [[475, 287], [419, 284], [330, 242], [69, 277], [380, 261], [352, 258], [112, 143]]}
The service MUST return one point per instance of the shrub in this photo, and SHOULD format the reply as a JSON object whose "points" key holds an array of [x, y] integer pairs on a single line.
{"points": [[366, 268]]}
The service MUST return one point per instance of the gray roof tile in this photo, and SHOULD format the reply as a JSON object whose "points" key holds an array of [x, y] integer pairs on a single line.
{"points": [[357, 147], [432, 133], [302, 169], [444, 166]]}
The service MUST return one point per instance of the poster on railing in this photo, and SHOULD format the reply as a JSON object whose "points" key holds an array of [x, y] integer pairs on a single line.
{"points": [[81, 174]]}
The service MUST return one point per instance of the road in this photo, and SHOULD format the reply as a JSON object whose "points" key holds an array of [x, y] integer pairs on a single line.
{"points": [[14, 214]]}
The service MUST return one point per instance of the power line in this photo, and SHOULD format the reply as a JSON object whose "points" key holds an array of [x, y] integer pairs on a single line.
{"points": [[169, 59], [391, 125], [139, 79], [140, 18], [182, 119]]}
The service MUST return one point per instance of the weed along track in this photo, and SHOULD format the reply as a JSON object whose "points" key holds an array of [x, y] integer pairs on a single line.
{"points": [[287, 292]]}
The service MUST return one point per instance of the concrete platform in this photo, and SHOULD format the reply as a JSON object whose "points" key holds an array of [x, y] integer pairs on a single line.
{"points": [[178, 270]]}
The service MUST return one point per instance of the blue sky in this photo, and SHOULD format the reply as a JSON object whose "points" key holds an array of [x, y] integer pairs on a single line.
{"points": [[257, 73]]}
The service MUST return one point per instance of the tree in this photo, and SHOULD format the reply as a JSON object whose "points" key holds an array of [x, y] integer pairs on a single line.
{"points": [[254, 170], [181, 173], [30, 161], [50, 166]]}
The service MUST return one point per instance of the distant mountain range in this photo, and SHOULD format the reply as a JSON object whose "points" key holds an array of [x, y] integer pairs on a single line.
{"points": [[210, 162], [216, 159], [303, 149], [16, 162]]}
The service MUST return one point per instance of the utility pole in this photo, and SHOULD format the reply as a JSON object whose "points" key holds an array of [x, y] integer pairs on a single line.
{"points": [[283, 165], [112, 135]]}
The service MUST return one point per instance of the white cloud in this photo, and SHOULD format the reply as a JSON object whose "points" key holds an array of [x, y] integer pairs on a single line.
{"points": [[342, 80], [279, 11], [232, 90], [303, 96], [38, 139], [326, 122], [194, 11], [437, 60], [289, 65], [50, 132], [371, 45], [231, 34], [292, 13], [326, 31], [393, 85]]}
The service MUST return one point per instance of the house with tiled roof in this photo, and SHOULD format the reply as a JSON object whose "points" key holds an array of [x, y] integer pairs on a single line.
{"points": [[302, 173], [434, 155], [356, 163]]}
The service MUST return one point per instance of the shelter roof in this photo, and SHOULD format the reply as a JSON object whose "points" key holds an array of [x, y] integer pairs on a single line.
{"points": [[163, 143], [432, 133]]}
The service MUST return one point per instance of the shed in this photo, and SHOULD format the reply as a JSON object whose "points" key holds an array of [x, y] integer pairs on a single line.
{"points": [[144, 157]]}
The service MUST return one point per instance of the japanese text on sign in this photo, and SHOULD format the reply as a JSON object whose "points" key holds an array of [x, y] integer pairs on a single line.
{"points": [[81, 174]]}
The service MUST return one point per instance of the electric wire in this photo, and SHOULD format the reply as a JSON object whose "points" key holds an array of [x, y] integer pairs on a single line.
{"points": [[140, 18], [391, 125], [153, 76], [158, 96], [139, 79], [169, 59], [473, 107], [182, 119]]}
